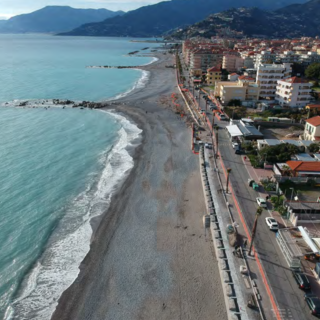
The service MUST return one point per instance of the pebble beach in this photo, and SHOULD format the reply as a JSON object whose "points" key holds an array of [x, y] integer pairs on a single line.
{"points": [[149, 257]]}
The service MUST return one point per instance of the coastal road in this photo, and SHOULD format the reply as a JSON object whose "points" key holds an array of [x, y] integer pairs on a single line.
{"points": [[289, 298]]}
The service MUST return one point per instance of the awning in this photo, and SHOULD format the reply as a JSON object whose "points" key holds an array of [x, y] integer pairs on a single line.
{"points": [[308, 240], [234, 131], [196, 80]]}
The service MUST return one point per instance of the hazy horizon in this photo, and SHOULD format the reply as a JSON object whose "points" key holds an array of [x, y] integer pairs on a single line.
{"points": [[10, 9]]}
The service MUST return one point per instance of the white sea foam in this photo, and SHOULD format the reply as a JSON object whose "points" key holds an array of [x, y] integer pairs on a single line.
{"points": [[154, 59], [139, 84], [59, 265]]}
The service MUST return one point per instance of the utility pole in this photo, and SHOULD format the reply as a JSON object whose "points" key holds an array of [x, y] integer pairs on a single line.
{"points": [[227, 187], [254, 229]]}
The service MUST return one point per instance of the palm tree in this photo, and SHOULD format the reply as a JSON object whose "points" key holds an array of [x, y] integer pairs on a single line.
{"points": [[228, 170], [217, 141], [254, 229]]}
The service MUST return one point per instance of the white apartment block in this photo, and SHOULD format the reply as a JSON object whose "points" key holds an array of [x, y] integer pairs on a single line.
{"points": [[293, 92], [232, 63], [267, 77], [264, 57]]}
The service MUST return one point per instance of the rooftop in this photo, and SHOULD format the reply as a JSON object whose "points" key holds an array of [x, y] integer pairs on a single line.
{"points": [[295, 80], [304, 157], [214, 69], [308, 166], [313, 106], [315, 121]]}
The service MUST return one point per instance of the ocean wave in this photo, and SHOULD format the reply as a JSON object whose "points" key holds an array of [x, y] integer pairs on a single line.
{"points": [[58, 267], [154, 59], [139, 84]]}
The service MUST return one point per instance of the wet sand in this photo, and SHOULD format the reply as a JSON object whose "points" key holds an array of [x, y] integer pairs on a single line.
{"points": [[149, 258]]}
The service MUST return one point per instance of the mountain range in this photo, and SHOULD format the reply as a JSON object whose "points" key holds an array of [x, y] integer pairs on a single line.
{"points": [[163, 17], [54, 19], [292, 21]]}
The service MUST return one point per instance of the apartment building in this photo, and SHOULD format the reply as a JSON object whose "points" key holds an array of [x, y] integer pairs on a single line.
{"points": [[293, 92], [213, 75], [245, 89], [267, 77], [204, 58], [264, 57], [232, 62]]}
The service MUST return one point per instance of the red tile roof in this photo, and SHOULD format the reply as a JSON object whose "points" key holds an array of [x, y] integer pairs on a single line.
{"points": [[246, 78], [313, 166], [295, 80], [313, 106], [233, 74], [315, 121], [214, 69]]}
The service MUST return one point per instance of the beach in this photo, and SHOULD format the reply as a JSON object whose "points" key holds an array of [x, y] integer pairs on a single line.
{"points": [[149, 257]]}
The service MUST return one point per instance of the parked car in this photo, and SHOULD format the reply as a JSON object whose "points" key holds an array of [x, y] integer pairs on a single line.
{"points": [[208, 145], [238, 151], [221, 116], [302, 280], [272, 223], [262, 203], [313, 303], [235, 145]]}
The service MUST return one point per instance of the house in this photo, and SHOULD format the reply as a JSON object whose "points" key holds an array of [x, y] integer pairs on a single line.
{"points": [[303, 145], [304, 168], [312, 129], [233, 77], [293, 92], [268, 142], [267, 77], [245, 89], [213, 75], [303, 157]]}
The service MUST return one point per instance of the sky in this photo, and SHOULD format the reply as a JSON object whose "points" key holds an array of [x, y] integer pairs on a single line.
{"points": [[9, 8]]}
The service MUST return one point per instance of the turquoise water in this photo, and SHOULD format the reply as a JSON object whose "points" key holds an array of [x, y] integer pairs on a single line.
{"points": [[58, 167], [44, 67]]}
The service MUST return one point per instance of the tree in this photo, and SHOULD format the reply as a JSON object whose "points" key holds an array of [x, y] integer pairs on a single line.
{"points": [[279, 153], [298, 68], [254, 229], [313, 71], [235, 102], [227, 187], [217, 142], [314, 147]]}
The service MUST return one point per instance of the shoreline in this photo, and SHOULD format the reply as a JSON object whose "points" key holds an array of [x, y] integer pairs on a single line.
{"points": [[136, 267]]}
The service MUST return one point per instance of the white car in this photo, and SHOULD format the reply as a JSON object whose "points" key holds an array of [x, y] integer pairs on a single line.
{"points": [[262, 203], [272, 223], [235, 145]]}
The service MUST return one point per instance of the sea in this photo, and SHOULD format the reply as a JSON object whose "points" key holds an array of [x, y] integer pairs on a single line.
{"points": [[59, 166]]}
